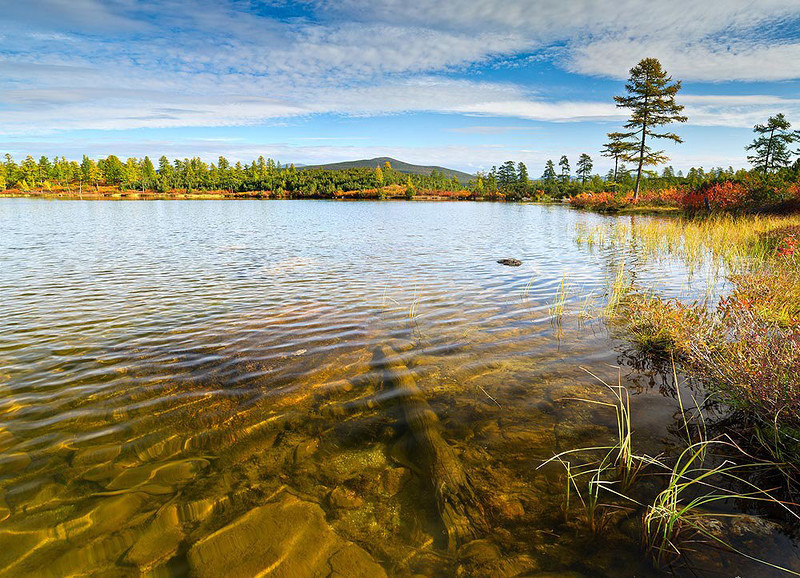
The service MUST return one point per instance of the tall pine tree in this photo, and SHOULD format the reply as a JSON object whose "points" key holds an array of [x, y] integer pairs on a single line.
{"points": [[522, 173], [565, 170], [651, 99], [772, 145], [584, 168], [549, 175]]}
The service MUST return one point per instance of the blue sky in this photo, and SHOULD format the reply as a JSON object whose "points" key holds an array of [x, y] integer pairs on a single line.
{"points": [[462, 83]]}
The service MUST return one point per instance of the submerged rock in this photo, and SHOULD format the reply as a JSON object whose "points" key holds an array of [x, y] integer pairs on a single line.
{"points": [[159, 478], [96, 455], [97, 558], [479, 551], [16, 547], [510, 262], [342, 498], [507, 507], [109, 515], [288, 538], [353, 561], [393, 479], [159, 541], [305, 450]]}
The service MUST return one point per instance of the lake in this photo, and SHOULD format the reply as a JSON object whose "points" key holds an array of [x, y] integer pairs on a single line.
{"points": [[212, 387]]}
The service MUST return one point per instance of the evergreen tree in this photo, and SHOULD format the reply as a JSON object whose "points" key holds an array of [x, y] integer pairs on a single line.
{"points": [[113, 170], [62, 171], [772, 145], [224, 169], [410, 190], [479, 186], [166, 175], [507, 174], [549, 175], [584, 169], [522, 173], [30, 171], [45, 167], [89, 172], [148, 173], [565, 169], [651, 99], [491, 182], [132, 173], [11, 171]]}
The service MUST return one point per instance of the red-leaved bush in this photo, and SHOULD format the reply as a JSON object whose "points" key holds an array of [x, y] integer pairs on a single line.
{"points": [[752, 193]]}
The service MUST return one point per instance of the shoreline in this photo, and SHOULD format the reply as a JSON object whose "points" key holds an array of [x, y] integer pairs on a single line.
{"points": [[258, 196]]}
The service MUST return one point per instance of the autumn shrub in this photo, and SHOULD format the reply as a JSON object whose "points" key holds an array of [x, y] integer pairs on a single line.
{"points": [[746, 349], [722, 196], [754, 193], [668, 197], [605, 201]]}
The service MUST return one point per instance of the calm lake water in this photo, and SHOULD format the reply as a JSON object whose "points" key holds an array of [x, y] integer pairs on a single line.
{"points": [[215, 387]]}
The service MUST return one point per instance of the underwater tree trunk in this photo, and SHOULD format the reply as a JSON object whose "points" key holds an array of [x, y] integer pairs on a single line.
{"points": [[461, 512]]}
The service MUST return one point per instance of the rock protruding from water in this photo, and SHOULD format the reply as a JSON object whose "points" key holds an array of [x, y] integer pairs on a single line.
{"points": [[289, 537], [510, 262]]}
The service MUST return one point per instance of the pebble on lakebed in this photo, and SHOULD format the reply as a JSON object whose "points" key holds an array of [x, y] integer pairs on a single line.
{"points": [[510, 262]]}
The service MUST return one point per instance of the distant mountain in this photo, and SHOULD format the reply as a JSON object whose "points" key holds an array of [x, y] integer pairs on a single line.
{"points": [[399, 166]]}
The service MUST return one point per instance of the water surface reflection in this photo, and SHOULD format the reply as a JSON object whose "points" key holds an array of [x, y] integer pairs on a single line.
{"points": [[192, 385]]}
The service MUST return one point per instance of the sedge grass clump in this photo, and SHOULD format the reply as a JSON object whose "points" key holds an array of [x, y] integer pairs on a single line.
{"points": [[556, 309], [616, 466], [586, 482], [679, 517], [617, 291], [747, 349], [660, 327]]}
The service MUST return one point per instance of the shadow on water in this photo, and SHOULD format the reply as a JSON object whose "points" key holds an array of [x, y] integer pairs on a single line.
{"points": [[318, 400]]}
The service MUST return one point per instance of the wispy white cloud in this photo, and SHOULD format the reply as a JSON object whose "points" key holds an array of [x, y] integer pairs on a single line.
{"points": [[743, 111], [699, 59], [564, 111], [492, 129], [124, 64], [716, 41]]}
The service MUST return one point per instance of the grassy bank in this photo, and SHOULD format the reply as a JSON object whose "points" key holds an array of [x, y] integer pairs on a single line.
{"points": [[739, 434], [745, 347]]}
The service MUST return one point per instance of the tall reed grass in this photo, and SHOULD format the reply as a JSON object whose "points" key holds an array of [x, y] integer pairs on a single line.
{"points": [[677, 518]]}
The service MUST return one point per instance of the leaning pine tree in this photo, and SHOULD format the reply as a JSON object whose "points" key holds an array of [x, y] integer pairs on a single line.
{"points": [[771, 147], [651, 98]]}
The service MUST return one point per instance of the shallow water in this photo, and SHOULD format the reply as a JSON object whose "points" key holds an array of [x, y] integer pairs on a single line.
{"points": [[168, 367]]}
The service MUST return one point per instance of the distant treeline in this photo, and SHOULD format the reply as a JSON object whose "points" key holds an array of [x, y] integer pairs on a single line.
{"points": [[510, 181], [190, 175]]}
